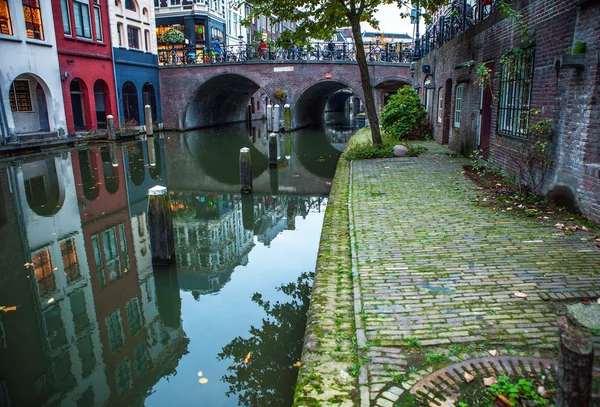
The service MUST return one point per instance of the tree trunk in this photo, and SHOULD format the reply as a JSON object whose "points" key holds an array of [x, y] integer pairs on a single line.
{"points": [[365, 79], [574, 387]]}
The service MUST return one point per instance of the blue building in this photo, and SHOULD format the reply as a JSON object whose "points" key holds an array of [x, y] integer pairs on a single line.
{"points": [[135, 60]]}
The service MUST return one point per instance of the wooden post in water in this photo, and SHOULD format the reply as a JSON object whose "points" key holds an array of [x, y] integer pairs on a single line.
{"points": [[574, 387], [180, 119], [276, 118], [274, 180], [287, 117], [160, 226], [148, 120], [114, 155], [248, 211], [272, 150], [151, 151], [110, 127], [245, 170], [269, 118]]}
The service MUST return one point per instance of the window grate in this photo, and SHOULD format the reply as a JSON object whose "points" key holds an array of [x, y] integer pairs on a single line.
{"points": [[515, 95]]}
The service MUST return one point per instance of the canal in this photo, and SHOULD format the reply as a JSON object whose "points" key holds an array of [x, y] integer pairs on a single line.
{"points": [[87, 320]]}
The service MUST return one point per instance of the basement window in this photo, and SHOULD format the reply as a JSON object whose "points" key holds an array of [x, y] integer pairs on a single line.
{"points": [[515, 96]]}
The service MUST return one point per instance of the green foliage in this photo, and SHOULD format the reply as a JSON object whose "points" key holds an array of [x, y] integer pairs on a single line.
{"points": [[404, 116], [521, 390], [413, 342], [365, 151], [525, 32], [484, 76], [173, 36], [483, 166], [280, 94], [415, 150], [579, 47]]}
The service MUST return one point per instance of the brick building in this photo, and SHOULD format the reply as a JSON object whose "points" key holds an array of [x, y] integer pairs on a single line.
{"points": [[468, 117], [85, 60]]}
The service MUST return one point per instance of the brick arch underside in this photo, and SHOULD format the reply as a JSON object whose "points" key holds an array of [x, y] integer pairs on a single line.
{"points": [[310, 106], [219, 100], [337, 101]]}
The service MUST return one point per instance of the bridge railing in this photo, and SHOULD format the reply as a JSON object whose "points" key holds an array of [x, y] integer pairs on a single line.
{"points": [[182, 54], [458, 16]]}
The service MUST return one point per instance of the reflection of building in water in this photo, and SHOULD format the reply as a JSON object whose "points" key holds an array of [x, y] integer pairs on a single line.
{"points": [[210, 239], [69, 345]]}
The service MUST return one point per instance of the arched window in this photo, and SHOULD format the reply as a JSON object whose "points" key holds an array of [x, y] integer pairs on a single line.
{"points": [[149, 98], [130, 5], [130, 104]]}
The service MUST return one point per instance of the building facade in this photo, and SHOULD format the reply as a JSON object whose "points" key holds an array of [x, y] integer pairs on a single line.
{"points": [[86, 66], [558, 78], [132, 27], [31, 100]]}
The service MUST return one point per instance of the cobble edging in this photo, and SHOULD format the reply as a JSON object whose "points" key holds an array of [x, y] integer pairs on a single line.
{"points": [[328, 353]]}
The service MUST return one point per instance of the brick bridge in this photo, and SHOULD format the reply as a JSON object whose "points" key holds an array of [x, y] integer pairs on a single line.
{"points": [[216, 94]]}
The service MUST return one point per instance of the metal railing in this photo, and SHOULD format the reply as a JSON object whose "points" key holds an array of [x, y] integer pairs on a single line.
{"points": [[181, 54], [459, 16]]}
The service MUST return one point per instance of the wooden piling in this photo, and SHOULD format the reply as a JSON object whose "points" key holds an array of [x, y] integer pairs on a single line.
{"points": [[148, 120], [276, 118], [287, 117], [248, 211], [110, 127], [273, 150], [160, 226], [245, 170], [269, 117]]}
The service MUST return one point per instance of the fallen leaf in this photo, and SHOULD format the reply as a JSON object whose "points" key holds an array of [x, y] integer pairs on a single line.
{"points": [[493, 352], [504, 400], [585, 229], [55, 268], [386, 167], [586, 301], [297, 364], [468, 377], [598, 301], [204, 380], [488, 381], [520, 294], [8, 309], [28, 265], [542, 392]]}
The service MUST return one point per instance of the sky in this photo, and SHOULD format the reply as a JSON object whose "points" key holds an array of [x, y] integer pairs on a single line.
{"points": [[390, 21]]}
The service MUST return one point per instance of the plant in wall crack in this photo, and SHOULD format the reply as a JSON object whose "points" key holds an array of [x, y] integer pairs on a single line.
{"points": [[280, 94], [485, 77], [579, 47]]}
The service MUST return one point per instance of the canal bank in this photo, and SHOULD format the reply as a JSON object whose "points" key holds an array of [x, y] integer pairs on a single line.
{"points": [[438, 280]]}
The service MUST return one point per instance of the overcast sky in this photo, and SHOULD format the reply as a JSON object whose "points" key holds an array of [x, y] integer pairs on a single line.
{"points": [[390, 21]]}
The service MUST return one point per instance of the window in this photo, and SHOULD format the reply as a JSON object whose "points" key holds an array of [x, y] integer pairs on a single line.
{"points": [[440, 105], [69, 258], [116, 337], [81, 11], [85, 349], [130, 5], [120, 33], [515, 96], [133, 37], [5, 24], [44, 274], [19, 96], [33, 19], [111, 254], [123, 241], [98, 22], [458, 105], [123, 376], [79, 311], [141, 360], [66, 19], [134, 317], [147, 40], [98, 261]]}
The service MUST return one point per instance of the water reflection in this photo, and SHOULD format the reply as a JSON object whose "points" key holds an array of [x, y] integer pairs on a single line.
{"points": [[88, 320]]}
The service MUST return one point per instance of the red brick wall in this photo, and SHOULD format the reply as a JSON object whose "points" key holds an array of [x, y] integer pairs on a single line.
{"points": [[569, 96]]}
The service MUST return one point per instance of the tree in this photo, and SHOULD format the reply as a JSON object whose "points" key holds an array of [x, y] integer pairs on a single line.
{"points": [[320, 18]]}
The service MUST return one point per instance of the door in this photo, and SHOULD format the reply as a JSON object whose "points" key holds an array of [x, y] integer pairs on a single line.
{"points": [[43, 108], [485, 115], [77, 106]]}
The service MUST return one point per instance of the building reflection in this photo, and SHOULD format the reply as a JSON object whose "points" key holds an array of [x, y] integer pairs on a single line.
{"points": [[212, 235], [88, 328]]}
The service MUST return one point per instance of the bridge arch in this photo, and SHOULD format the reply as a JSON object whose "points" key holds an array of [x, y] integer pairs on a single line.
{"points": [[309, 105], [387, 86], [222, 98]]}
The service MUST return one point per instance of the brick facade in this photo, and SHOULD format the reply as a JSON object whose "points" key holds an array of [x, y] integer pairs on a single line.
{"points": [[214, 94], [568, 96]]}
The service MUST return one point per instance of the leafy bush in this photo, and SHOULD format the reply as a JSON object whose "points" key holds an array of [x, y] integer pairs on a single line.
{"points": [[172, 36], [364, 151], [404, 117], [415, 150]]}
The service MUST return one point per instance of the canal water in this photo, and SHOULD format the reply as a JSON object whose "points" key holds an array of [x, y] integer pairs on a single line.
{"points": [[87, 320]]}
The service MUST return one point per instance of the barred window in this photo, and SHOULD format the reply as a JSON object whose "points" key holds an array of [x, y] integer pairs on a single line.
{"points": [[44, 274], [69, 258], [515, 95], [5, 23], [33, 19]]}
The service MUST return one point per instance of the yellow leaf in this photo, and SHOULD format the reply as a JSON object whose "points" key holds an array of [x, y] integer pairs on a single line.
{"points": [[247, 358], [8, 309], [297, 364], [203, 380]]}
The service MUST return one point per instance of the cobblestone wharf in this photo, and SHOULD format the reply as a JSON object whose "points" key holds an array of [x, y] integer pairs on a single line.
{"points": [[433, 280]]}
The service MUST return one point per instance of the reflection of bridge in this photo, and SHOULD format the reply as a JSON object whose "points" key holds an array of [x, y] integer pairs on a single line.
{"points": [[210, 94]]}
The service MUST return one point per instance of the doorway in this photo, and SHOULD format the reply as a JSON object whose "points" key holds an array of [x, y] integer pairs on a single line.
{"points": [[485, 114], [77, 105]]}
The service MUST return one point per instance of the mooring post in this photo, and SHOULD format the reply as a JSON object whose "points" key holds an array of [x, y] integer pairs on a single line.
{"points": [[148, 120], [269, 117], [574, 387], [287, 146], [272, 150], [274, 180], [287, 117], [110, 127], [114, 155], [248, 211], [180, 118], [151, 151], [245, 170], [276, 118], [160, 226]]}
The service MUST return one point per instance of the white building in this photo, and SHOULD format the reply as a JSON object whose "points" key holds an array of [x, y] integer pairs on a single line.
{"points": [[31, 100]]}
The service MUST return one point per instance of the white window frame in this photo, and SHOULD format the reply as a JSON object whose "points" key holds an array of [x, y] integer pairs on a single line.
{"points": [[458, 99]]}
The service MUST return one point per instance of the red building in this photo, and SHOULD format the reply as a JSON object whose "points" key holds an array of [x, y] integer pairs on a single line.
{"points": [[86, 67]]}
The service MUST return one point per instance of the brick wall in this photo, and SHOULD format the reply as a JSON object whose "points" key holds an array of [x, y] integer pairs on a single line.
{"points": [[568, 96]]}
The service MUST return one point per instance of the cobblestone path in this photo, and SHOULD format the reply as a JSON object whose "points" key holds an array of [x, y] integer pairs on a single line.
{"points": [[437, 273]]}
